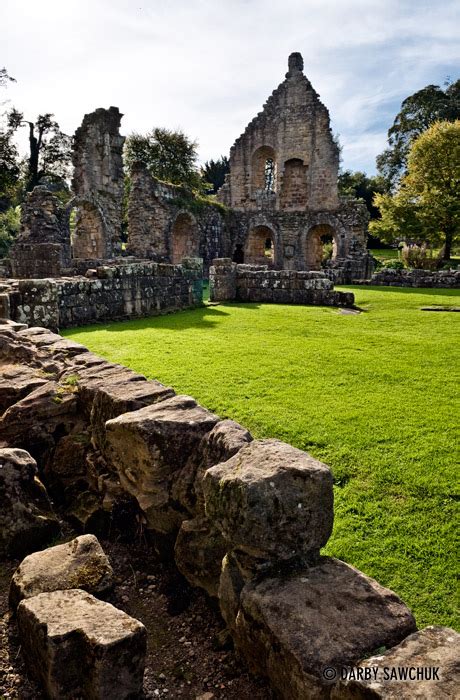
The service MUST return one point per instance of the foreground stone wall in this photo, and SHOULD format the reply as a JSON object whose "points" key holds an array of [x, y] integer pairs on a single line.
{"points": [[111, 293], [251, 283], [449, 279], [244, 519]]}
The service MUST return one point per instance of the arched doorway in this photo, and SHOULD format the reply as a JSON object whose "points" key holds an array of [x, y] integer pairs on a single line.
{"points": [[87, 232], [294, 187], [184, 238], [321, 246], [263, 170], [260, 246]]}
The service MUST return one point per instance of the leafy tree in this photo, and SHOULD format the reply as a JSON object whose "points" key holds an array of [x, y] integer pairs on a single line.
{"points": [[214, 172], [426, 206], [49, 147], [9, 226], [169, 156], [417, 113], [9, 170], [359, 185], [9, 156]]}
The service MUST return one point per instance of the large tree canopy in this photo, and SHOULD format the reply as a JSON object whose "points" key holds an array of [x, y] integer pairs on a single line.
{"points": [[169, 155], [426, 206], [417, 113], [49, 147]]}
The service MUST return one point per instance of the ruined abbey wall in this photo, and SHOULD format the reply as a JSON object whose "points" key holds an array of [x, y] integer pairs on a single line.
{"points": [[166, 224], [292, 130], [251, 283], [98, 185], [111, 293]]}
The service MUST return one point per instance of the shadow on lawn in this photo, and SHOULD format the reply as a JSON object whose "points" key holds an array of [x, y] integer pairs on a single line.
{"points": [[204, 317]]}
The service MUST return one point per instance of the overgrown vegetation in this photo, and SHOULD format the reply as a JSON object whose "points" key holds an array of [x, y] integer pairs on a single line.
{"points": [[372, 395], [168, 155]]}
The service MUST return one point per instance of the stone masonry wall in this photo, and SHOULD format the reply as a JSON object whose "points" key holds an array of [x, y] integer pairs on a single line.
{"points": [[244, 519], [98, 184], [256, 283], [293, 129], [164, 223], [449, 279], [117, 292]]}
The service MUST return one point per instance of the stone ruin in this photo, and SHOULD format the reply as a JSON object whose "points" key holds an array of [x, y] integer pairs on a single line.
{"points": [[98, 185], [278, 206], [283, 183], [243, 519]]}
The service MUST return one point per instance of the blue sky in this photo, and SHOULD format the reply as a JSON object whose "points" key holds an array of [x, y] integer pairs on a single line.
{"points": [[207, 66]]}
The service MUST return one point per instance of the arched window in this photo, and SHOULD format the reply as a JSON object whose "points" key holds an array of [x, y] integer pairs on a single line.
{"points": [[184, 238], [260, 246], [321, 246], [263, 170]]}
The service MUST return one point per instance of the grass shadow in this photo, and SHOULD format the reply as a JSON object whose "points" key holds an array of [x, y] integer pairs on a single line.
{"points": [[201, 317]]}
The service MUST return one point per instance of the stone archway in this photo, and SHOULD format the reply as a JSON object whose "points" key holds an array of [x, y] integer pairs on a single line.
{"points": [[184, 238], [88, 235], [260, 246], [318, 237]]}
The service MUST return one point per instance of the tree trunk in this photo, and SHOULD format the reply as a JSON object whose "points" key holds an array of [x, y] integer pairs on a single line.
{"points": [[33, 158]]}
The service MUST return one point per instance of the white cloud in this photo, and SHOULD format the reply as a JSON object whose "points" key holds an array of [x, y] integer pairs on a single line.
{"points": [[208, 66]]}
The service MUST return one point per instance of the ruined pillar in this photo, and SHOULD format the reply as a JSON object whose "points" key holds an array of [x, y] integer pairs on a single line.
{"points": [[98, 185], [42, 247]]}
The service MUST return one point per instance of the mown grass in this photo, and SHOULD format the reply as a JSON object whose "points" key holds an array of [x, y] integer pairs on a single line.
{"points": [[372, 395]]}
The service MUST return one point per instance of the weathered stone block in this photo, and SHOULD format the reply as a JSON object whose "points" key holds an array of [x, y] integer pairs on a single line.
{"points": [[198, 553], [78, 646], [425, 665], [17, 381], [26, 518], [80, 563], [149, 447], [271, 500], [329, 616]]}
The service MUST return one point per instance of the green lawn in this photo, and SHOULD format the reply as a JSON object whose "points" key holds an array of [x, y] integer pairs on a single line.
{"points": [[373, 395]]}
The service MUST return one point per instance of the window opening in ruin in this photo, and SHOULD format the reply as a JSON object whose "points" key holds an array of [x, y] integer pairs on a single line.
{"points": [[269, 175], [263, 170]]}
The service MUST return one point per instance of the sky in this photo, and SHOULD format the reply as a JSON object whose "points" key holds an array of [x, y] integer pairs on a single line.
{"points": [[207, 66]]}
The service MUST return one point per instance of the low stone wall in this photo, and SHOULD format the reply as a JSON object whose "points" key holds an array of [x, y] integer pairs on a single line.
{"points": [[257, 283], [448, 279], [110, 293], [244, 519]]}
